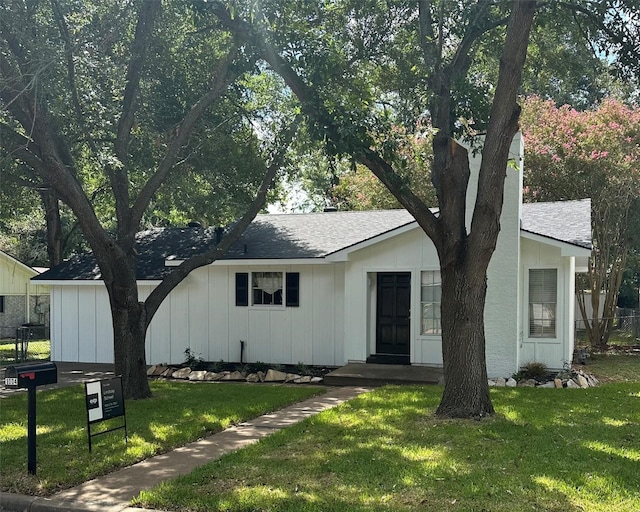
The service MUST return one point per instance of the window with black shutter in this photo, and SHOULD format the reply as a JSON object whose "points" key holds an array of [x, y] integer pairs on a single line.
{"points": [[242, 289], [293, 289]]}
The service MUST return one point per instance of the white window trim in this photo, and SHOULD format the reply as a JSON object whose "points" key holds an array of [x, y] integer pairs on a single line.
{"points": [[559, 305], [419, 287]]}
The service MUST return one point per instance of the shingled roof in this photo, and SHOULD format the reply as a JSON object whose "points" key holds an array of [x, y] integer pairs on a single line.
{"points": [[565, 221], [311, 236]]}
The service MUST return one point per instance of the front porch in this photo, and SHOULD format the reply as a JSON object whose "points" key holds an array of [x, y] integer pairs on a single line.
{"points": [[366, 374]]}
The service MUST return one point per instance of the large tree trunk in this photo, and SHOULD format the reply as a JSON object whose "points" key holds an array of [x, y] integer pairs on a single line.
{"points": [[130, 359], [466, 388], [129, 329], [54, 226]]}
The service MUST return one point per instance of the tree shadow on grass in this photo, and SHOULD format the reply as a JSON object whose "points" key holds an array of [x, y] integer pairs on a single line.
{"points": [[545, 450]]}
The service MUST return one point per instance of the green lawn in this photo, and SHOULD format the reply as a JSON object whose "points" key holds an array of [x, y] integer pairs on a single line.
{"points": [[179, 412], [545, 450], [615, 367]]}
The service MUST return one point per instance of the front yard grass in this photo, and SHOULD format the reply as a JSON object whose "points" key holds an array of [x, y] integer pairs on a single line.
{"points": [[178, 412], [549, 450]]}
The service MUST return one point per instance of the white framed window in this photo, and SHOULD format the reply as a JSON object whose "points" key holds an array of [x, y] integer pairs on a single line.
{"points": [[430, 297], [543, 302], [268, 288]]}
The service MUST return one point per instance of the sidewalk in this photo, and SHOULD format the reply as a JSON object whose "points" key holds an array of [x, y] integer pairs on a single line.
{"points": [[113, 492]]}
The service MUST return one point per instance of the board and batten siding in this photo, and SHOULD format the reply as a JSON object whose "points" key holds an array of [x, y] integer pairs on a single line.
{"points": [[81, 329], [557, 351], [201, 315]]}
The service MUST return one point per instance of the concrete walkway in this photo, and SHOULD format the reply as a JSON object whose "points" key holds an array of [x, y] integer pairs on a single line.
{"points": [[113, 492]]}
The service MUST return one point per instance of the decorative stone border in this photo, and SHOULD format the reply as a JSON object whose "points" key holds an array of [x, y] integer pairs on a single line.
{"points": [[564, 379], [270, 375]]}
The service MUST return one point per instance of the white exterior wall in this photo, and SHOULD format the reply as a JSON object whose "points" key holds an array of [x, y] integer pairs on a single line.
{"points": [[410, 252], [200, 314], [502, 318], [25, 301], [554, 352], [81, 329], [414, 252]]}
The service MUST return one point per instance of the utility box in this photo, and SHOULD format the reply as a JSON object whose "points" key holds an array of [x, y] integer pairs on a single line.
{"points": [[30, 375]]}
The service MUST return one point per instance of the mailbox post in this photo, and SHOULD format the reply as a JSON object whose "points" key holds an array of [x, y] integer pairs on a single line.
{"points": [[30, 376]]}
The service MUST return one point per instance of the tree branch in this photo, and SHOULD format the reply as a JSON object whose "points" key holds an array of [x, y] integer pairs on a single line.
{"points": [[180, 273], [71, 75], [144, 28], [222, 77], [314, 109], [503, 125], [118, 176]]}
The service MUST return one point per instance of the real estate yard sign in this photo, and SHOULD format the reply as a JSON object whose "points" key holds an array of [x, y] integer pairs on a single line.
{"points": [[104, 401]]}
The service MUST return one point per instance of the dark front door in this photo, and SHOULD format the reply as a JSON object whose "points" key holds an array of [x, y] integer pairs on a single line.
{"points": [[392, 317]]}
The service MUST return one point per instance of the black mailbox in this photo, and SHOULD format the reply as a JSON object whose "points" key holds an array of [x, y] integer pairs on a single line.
{"points": [[30, 375]]}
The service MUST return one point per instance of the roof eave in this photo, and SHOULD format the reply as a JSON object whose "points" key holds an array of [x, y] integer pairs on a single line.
{"points": [[89, 282], [317, 260], [566, 248], [19, 264]]}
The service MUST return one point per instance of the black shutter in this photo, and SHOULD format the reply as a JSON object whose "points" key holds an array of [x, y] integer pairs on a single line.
{"points": [[293, 289], [242, 289]]}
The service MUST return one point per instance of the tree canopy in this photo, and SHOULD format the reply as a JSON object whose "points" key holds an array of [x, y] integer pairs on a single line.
{"points": [[133, 113], [595, 153]]}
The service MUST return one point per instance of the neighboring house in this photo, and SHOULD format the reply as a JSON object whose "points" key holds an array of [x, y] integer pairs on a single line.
{"points": [[16, 292], [330, 288]]}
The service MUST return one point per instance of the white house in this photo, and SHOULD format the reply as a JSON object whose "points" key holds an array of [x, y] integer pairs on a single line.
{"points": [[337, 287], [21, 301]]}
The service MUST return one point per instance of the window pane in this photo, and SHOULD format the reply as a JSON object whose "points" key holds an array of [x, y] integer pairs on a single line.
{"points": [[267, 288], [430, 294], [543, 302]]}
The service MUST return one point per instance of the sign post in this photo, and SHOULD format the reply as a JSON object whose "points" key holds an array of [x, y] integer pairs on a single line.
{"points": [[104, 401]]}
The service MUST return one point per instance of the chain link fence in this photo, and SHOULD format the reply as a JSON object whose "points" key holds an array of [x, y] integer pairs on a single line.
{"points": [[626, 329], [29, 344]]}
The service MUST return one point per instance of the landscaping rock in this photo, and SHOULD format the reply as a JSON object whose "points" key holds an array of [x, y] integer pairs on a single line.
{"points": [[261, 376], [511, 383], [582, 381], [572, 384], [305, 379], [291, 377], [275, 376], [550, 384], [527, 383], [156, 370], [197, 375], [168, 373], [500, 382], [558, 383], [182, 373], [253, 377], [316, 380], [233, 376], [213, 376]]}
